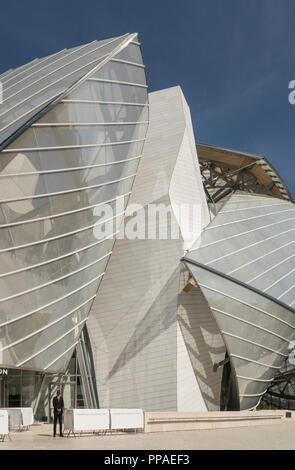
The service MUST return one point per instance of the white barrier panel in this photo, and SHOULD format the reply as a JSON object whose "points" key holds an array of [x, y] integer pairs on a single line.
{"points": [[3, 423], [87, 420], [20, 417], [126, 418], [27, 415], [15, 418], [68, 420], [92, 419]]}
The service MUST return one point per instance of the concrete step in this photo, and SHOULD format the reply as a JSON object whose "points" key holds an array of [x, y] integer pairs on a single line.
{"points": [[181, 421]]}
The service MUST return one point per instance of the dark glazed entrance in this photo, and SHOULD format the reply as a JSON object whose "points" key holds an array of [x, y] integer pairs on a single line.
{"points": [[229, 396]]}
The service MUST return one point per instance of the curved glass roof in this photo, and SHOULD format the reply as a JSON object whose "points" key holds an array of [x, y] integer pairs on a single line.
{"points": [[33, 87], [252, 240], [244, 264]]}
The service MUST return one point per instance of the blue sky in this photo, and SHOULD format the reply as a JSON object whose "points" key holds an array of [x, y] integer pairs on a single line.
{"points": [[233, 59]]}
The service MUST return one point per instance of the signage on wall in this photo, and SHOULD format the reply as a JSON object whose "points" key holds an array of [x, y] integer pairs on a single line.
{"points": [[3, 372]]}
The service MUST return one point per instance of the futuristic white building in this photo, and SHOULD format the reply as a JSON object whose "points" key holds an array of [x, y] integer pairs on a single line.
{"points": [[209, 332], [197, 321]]}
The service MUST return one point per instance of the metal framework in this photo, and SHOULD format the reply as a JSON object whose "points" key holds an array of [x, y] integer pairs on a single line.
{"points": [[281, 392], [220, 181], [225, 171]]}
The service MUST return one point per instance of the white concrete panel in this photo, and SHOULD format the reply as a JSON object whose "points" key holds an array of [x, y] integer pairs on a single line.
{"points": [[203, 341], [126, 419], [186, 380], [133, 325], [186, 187]]}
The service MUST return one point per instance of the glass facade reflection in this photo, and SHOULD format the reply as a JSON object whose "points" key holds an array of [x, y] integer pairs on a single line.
{"points": [[20, 388], [26, 388], [244, 265], [81, 150]]}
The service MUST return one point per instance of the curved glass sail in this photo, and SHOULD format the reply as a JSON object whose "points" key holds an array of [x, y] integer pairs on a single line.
{"points": [[244, 264], [55, 178]]}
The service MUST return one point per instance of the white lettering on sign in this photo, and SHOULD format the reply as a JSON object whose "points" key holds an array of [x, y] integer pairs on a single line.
{"points": [[3, 371]]}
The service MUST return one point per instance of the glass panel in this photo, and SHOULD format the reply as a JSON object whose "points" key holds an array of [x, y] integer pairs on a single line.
{"points": [[93, 112], [27, 302], [121, 72], [282, 276], [30, 279], [257, 239], [22, 112], [131, 53], [289, 297], [36, 343], [67, 158], [19, 162], [27, 109], [253, 370], [40, 319], [34, 67], [267, 260], [255, 227], [249, 387], [241, 200], [249, 403], [43, 359], [20, 73], [248, 313], [240, 293], [100, 91], [49, 228], [36, 92], [250, 351], [57, 67], [227, 215], [252, 334], [8, 74], [31, 382], [28, 96], [42, 207], [14, 388], [258, 250], [282, 286], [84, 135], [30, 185], [14, 86]]}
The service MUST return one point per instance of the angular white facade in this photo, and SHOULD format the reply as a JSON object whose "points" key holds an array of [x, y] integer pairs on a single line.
{"points": [[140, 355], [209, 333]]}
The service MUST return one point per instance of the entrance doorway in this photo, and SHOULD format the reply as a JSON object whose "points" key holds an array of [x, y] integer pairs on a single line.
{"points": [[68, 392], [3, 392], [229, 396]]}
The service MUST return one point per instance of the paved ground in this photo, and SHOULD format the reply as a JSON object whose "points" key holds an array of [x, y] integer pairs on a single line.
{"points": [[279, 436]]}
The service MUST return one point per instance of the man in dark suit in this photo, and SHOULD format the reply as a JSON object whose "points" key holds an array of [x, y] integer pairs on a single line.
{"points": [[58, 405]]}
